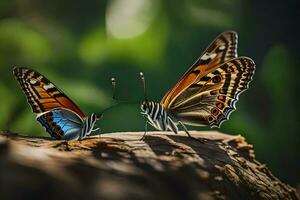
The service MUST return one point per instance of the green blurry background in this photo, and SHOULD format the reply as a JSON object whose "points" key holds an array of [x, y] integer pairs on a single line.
{"points": [[80, 45]]}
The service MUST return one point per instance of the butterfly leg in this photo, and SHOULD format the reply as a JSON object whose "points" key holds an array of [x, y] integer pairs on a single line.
{"points": [[172, 126], [146, 126], [96, 129], [185, 129], [187, 132]]}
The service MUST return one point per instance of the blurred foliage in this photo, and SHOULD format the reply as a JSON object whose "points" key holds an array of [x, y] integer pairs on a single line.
{"points": [[81, 45]]}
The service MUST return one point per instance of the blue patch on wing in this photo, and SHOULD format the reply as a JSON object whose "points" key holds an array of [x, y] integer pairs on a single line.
{"points": [[61, 124]]}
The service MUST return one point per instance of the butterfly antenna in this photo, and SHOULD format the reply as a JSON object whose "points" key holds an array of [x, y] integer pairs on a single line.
{"points": [[108, 108], [144, 84], [113, 83]]}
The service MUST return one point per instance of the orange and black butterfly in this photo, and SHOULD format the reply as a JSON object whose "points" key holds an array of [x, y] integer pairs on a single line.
{"points": [[207, 93], [61, 117]]}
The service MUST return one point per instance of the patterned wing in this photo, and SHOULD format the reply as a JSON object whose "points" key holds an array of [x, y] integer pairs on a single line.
{"points": [[222, 49], [210, 99], [41, 93], [61, 124]]}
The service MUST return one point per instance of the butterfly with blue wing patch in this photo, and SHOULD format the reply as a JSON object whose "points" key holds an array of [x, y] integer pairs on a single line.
{"points": [[61, 117]]}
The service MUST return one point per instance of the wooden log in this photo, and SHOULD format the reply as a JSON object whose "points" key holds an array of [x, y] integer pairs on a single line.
{"points": [[121, 166]]}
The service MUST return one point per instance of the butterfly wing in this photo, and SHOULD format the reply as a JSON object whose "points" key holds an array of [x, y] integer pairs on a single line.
{"points": [[222, 49], [61, 124], [41, 93], [210, 99]]}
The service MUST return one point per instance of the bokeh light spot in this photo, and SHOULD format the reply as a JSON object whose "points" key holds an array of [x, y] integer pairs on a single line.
{"points": [[130, 18]]}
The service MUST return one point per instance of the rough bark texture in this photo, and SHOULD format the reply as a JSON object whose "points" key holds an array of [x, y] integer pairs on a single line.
{"points": [[120, 166]]}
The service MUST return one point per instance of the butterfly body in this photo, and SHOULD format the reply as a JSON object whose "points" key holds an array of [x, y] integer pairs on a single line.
{"points": [[61, 117], [158, 116], [207, 93]]}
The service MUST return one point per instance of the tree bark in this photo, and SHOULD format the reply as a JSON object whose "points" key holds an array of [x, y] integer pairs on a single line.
{"points": [[121, 166]]}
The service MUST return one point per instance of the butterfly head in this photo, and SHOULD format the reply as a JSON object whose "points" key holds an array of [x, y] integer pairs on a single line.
{"points": [[93, 118], [90, 124], [145, 107], [96, 116]]}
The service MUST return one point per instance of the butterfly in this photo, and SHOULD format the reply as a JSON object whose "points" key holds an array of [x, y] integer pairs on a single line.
{"points": [[207, 93], [61, 117]]}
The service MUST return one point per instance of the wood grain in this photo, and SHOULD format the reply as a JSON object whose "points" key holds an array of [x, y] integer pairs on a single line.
{"points": [[121, 166]]}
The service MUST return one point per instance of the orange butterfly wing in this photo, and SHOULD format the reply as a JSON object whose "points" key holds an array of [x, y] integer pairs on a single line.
{"points": [[41, 93], [211, 99], [222, 49]]}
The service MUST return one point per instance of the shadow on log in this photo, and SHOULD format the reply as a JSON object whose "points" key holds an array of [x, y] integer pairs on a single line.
{"points": [[120, 166]]}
